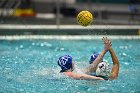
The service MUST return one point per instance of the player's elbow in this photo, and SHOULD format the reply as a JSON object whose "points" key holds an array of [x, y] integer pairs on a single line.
{"points": [[81, 77], [115, 62], [113, 76]]}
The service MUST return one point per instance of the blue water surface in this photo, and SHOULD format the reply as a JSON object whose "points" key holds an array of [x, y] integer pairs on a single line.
{"points": [[30, 66]]}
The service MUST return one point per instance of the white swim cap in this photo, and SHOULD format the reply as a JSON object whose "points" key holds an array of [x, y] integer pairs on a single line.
{"points": [[103, 69]]}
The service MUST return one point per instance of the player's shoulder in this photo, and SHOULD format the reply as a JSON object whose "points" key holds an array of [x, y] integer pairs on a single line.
{"points": [[70, 74]]}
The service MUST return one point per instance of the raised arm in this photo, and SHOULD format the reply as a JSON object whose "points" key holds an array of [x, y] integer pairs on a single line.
{"points": [[82, 76], [93, 66], [115, 68]]}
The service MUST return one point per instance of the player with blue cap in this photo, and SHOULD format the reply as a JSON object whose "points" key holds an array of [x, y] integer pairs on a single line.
{"points": [[67, 67], [93, 57], [65, 62], [103, 69], [96, 65]]}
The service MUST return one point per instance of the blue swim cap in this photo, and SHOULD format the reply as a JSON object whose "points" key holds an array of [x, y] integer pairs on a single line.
{"points": [[65, 62], [93, 57]]}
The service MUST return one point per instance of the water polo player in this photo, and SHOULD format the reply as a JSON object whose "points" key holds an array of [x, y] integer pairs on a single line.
{"points": [[102, 68], [69, 68]]}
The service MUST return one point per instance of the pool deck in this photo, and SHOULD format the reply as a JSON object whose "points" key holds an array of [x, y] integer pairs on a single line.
{"points": [[12, 26], [67, 37], [14, 29]]}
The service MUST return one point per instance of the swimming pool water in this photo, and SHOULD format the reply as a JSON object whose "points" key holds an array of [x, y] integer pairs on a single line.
{"points": [[30, 66]]}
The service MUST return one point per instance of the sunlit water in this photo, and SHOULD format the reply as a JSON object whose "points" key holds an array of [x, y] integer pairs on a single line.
{"points": [[30, 66]]}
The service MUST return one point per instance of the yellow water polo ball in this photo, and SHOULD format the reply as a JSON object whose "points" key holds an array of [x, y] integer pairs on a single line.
{"points": [[84, 18]]}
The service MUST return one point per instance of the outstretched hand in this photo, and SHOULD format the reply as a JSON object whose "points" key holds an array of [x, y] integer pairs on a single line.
{"points": [[107, 43]]}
